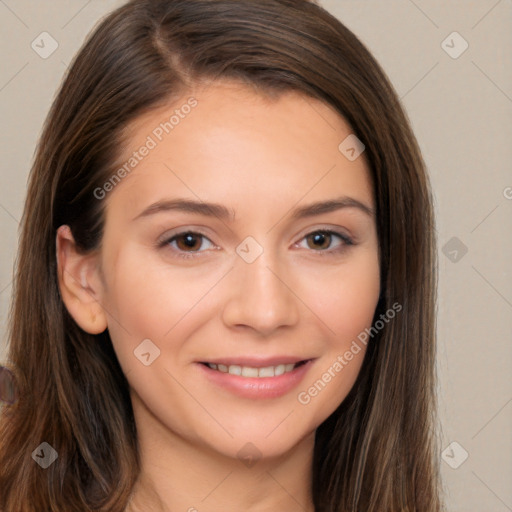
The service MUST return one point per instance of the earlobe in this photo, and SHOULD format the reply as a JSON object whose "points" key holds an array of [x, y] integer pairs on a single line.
{"points": [[80, 284]]}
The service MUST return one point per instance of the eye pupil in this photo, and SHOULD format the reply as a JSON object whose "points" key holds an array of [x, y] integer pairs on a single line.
{"points": [[189, 240], [321, 237]]}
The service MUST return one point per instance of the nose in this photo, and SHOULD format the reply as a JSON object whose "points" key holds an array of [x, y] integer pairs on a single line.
{"points": [[261, 296]]}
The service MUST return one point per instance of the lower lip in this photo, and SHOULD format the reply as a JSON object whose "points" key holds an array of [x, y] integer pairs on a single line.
{"points": [[257, 387]]}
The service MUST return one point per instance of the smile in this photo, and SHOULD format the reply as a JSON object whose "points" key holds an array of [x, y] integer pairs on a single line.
{"points": [[250, 371], [256, 379]]}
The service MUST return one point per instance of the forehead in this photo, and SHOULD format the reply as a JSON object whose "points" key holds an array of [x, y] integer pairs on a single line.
{"points": [[227, 143]]}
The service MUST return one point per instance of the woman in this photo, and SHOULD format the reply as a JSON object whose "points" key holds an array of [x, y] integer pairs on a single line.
{"points": [[225, 287]]}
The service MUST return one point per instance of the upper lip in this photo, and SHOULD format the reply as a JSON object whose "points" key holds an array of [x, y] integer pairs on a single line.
{"points": [[256, 362]]}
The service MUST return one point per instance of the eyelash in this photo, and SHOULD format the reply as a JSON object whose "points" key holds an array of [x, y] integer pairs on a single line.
{"points": [[347, 241]]}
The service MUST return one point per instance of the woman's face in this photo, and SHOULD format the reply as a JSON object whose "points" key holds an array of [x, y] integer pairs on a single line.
{"points": [[247, 284]]}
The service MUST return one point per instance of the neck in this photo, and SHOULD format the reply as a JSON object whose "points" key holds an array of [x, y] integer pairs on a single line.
{"points": [[180, 476]]}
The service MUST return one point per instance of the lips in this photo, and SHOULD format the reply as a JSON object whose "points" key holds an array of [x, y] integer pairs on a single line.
{"points": [[256, 378]]}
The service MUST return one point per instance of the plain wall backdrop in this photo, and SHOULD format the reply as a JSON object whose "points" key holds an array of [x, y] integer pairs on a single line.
{"points": [[451, 65]]}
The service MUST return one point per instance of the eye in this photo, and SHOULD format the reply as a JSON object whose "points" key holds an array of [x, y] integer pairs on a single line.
{"points": [[186, 242], [320, 241]]}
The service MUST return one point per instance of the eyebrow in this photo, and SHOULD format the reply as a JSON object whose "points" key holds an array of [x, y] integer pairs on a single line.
{"points": [[223, 213]]}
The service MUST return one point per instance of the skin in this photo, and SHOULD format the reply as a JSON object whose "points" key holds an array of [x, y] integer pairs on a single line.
{"points": [[262, 158]]}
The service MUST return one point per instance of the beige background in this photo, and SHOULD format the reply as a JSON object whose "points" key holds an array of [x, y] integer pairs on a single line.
{"points": [[461, 111]]}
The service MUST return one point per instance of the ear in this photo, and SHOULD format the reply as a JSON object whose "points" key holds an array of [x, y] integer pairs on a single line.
{"points": [[80, 283]]}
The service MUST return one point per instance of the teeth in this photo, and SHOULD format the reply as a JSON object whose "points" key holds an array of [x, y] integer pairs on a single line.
{"points": [[269, 371], [248, 371], [279, 369], [234, 369]]}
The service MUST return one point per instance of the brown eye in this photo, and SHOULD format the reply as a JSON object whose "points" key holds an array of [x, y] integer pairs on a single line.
{"points": [[186, 244], [188, 241], [319, 240]]}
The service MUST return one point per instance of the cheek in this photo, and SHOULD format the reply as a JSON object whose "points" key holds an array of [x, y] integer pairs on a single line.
{"points": [[346, 298], [346, 305], [138, 290], [153, 298]]}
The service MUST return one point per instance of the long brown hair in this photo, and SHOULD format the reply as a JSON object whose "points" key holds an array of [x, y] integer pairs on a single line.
{"points": [[378, 451]]}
